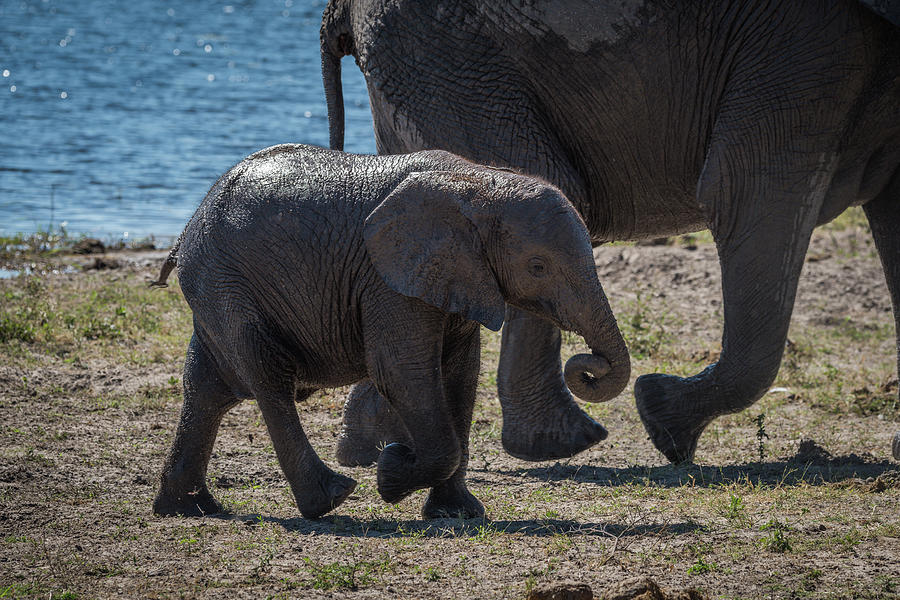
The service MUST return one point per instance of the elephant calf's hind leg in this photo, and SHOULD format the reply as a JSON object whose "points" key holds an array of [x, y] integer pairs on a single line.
{"points": [[207, 398]]}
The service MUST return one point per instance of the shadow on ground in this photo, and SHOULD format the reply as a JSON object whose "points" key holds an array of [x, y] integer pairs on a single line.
{"points": [[812, 465], [479, 530]]}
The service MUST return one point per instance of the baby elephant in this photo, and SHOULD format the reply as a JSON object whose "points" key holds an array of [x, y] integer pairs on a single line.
{"points": [[307, 268]]}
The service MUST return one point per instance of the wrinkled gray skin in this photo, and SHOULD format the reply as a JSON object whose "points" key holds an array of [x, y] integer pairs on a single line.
{"points": [[307, 268], [756, 120]]}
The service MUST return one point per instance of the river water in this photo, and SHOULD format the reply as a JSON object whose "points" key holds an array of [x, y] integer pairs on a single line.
{"points": [[116, 118]]}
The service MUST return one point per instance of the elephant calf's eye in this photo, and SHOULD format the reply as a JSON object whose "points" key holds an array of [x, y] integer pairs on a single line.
{"points": [[536, 267]]}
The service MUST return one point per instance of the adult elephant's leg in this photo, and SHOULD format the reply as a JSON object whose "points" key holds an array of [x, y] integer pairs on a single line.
{"points": [[884, 219], [207, 398], [761, 221], [452, 498], [540, 418]]}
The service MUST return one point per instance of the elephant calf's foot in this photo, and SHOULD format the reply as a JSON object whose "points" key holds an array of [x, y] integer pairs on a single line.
{"points": [[895, 446], [195, 503], [400, 473], [452, 501], [330, 491], [672, 430], [562, 431], [369, 424]]}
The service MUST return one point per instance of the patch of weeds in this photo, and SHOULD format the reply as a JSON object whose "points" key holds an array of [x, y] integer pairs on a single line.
{"points": [[845, 541], [409, 536], [734, 510], [430, 573], [13, 328], [344, 576], [701, 565], [100, 328], [883, 400], [776, 539], [486, 532], [560, 543], [810, 580]]}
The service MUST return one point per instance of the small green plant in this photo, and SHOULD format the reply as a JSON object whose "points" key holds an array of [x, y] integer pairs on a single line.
{"points": [[775, 540], [485, 532], [701, 566], [344, 576], [559, 544], [735, 510], [761, 435]]}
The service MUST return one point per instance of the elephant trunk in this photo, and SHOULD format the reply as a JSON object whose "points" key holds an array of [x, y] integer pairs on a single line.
{"points": [[604, 373], [335, 42]]}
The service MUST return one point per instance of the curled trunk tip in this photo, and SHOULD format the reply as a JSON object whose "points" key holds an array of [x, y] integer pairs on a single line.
{"points": [[592, 378]]}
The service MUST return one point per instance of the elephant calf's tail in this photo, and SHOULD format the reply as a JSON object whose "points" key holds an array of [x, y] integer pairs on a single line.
{"points": [[167, 267]]}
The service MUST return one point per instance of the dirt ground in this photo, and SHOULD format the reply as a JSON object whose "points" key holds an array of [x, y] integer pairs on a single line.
{"points": [[796, 497]]}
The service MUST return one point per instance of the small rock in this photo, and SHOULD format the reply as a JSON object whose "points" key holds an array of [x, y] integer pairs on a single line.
{"points": [[635, 588], [561, 590], [102, 263], [89, 246], [644, 588]]}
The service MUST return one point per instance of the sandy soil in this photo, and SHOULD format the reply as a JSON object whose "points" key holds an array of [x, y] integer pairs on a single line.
{"points": [[813, 513]]}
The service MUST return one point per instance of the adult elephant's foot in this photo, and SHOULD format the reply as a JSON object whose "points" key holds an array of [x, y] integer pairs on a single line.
{"points": [[369, 424], [324, 494], [194, 503], [452, 499], [671, 417], [540, 418], [895, 447], [553, 429]]}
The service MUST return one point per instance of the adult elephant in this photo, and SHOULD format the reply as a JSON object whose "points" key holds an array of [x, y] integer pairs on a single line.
{"points": [[757, 120]]}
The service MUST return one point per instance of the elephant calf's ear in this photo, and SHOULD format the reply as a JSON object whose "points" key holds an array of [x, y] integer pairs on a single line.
{"points": [[423, 246]]}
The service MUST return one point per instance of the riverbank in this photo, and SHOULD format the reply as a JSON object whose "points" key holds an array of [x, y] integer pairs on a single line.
{"points": [[794, 498]]}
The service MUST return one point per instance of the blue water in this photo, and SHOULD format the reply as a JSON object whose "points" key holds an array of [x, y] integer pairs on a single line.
{"points": [[115, 117]]}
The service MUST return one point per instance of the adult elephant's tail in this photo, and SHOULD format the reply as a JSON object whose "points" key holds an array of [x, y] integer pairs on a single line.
{"points": [[336, 42]]}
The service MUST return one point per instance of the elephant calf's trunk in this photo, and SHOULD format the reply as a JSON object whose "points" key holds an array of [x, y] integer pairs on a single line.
{"points": [[585, 377]]}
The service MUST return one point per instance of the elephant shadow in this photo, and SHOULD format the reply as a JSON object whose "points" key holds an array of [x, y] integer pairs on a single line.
{"points": [[811, 465], [477, 529]]}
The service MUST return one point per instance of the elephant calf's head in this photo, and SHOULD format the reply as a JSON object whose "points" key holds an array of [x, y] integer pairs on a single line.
{"points": [[469, 242]]}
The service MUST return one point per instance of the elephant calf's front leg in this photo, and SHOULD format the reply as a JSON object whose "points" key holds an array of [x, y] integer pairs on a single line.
{"points": [[405, 365]]}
